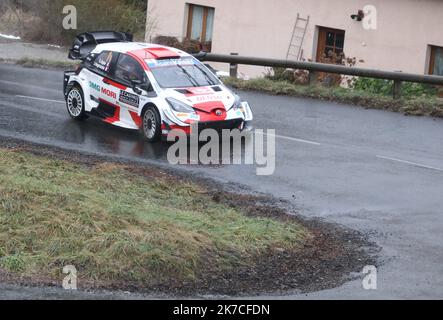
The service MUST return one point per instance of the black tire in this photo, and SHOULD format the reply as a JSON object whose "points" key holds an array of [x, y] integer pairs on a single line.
{"points": [[75, 103], [151, 124]]}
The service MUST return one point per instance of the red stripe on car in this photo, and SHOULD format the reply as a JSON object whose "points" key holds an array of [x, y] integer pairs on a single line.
{"points": [[114, 84], [116, 116], [140, 57], [136, 118]]}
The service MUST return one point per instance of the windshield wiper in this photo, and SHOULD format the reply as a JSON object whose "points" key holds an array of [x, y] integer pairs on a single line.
{"points": [[193, 81], [208, 78]]}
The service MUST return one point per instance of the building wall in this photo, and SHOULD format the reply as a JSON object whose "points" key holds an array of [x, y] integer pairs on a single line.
{"points": [[263, 28]]}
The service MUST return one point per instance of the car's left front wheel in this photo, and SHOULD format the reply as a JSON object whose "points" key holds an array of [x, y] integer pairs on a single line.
{"points": [[151, 126], [75, 103]]}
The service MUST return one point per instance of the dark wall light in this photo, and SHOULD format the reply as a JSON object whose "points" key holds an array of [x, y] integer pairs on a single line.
{"points": [[359, 16]]}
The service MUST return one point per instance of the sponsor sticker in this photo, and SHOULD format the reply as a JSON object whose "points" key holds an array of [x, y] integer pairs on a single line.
{"points": [[206, 98], [190, 116], [129, 98], [170, 62], [104, 62], [109, 93], [194, 117], [94, 86]]}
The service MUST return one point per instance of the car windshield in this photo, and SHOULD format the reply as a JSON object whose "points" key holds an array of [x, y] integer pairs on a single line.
{"points": [[181, 73]]}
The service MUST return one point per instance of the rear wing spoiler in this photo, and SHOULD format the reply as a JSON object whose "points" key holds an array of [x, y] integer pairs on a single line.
{"points": [[85, 43]]}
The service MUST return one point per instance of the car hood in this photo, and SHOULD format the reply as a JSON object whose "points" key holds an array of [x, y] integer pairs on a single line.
{"points": [[204, 99]]}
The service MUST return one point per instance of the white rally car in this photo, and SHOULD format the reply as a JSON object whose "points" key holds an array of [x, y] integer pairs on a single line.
{"points": [[148, 87]]}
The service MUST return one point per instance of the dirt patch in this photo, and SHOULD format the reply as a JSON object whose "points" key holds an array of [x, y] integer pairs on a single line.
{"points": [[327, 259]]}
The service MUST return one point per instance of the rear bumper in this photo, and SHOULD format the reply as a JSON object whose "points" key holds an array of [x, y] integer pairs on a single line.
{"points": [[67, 78]]}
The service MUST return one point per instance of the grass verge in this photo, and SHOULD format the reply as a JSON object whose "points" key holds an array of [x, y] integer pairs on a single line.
{"points": [[117, 226], [418, 106]]}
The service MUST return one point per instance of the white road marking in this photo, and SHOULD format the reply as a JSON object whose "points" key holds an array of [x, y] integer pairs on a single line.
{"points": [[40, 99], [410, 163], [21, 85], [292, 139]]}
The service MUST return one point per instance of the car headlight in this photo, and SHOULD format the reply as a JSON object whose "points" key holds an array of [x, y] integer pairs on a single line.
{"points": [[179, 106], [237, 103]]}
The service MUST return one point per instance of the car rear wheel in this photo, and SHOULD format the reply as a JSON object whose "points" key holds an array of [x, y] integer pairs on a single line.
{"points": [[151, 124], [75, 103]]}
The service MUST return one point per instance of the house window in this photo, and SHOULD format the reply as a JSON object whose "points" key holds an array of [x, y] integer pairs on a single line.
{"points": [[330, 41], [201, 25], [436, 61]]}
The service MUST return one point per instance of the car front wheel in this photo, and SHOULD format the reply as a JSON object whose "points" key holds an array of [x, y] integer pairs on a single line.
{"points": [[151, 125]]}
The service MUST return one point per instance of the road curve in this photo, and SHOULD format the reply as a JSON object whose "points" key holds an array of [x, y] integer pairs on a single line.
{"points": [[374, 171]]}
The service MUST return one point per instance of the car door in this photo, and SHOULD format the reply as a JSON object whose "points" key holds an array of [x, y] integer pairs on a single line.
{"points": [[108, 90], [127, 71], [101, 93]]}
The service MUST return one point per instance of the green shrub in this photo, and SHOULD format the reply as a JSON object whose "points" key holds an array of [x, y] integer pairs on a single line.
{"points": [[187, 45], [42, 20], [385, 87]]}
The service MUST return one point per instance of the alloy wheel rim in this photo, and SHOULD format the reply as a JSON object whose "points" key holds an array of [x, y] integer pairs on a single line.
{"points": [[150, 124], [75, 103]]}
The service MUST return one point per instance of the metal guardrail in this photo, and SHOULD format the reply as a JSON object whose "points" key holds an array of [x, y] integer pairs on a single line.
{"points": [[314, 68]]}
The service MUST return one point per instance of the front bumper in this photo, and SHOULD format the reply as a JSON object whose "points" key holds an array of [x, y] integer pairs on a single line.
{"points": [[221, 125], [216, 125]]}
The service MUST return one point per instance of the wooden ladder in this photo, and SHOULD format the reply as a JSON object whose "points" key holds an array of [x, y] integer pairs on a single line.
{"points": [[295, 49]]}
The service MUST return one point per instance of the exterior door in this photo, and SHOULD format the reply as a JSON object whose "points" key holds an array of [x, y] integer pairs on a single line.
{"points": [[329, 41], [126, 71], [99, 70]]}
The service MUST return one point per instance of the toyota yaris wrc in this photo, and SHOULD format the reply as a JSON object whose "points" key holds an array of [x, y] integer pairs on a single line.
{"points": [[148, 87]]}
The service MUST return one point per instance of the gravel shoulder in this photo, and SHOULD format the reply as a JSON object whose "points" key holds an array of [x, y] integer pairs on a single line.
{"points": [[16, 50]]}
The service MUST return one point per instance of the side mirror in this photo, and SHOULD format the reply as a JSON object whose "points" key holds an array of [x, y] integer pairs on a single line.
{"points": [[135, 86]]}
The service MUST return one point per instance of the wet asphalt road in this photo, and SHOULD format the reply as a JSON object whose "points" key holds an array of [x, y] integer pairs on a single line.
{"points": [[374, 171]]}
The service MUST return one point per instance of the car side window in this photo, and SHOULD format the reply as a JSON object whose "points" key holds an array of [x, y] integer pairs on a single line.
{"points": [[103, 62], [128, 70]]}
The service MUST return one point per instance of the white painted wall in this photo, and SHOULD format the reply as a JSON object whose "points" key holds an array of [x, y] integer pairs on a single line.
{"points": [[263, 28]]}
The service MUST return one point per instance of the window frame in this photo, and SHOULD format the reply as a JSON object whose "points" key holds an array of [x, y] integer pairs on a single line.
{"points": [[322, 41], [203, 32], [145, 79], [91, 67]]}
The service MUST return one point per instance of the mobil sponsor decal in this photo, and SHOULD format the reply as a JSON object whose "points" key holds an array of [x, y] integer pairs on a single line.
{"points": [[94, 86]]}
